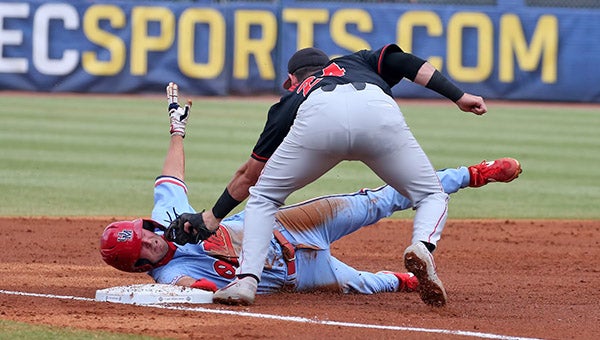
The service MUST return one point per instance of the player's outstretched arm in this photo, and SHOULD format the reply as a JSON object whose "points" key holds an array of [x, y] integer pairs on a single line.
{"points": [[174, 164], [431, 78], [398, 65], [187, 227]]}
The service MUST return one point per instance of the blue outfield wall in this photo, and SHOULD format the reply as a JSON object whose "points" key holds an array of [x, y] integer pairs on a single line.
{"points": [[508, 51]]}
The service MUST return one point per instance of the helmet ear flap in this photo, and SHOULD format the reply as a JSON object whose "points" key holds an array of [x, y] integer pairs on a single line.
{"points": [[121, 244]]}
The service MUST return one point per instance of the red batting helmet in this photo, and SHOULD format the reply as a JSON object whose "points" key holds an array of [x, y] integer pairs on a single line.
{"points": [[121, 245]]}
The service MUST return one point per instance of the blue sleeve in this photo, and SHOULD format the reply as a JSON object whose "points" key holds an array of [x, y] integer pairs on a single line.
{"points": [[170, 199], [454, 179]]}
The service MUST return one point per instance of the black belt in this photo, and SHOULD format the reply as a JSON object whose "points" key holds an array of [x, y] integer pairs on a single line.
{"points": [[358, 85]]}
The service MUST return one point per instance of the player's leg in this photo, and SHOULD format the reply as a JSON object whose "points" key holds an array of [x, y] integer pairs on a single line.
{"points": [[430, 217], [428, 223], [320, 221], [289, 169], [454, 179], [318, 270], [316, 142], [502, 170], [397, 158], [314, 271], [303, 156]]}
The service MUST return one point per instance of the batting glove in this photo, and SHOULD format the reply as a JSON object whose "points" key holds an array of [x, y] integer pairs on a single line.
{"points": [[177, 114]]}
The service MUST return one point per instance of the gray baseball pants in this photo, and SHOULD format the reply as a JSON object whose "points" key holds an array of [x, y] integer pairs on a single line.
{"points": [[332, 126]]}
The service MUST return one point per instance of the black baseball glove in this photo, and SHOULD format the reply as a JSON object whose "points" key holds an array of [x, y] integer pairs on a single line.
{"points": [[197, 232]]}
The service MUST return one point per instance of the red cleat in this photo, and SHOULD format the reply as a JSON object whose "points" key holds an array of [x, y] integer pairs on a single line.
{"points": [[408, 281], [501, 170]]}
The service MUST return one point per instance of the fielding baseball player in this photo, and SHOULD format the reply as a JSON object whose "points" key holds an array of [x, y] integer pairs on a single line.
{"points": [[298, 256], [336, 110]]}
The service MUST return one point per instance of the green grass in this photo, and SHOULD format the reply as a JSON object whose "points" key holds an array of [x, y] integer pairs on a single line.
{"points": [[17, 330], [98, 155], [559, 149]]}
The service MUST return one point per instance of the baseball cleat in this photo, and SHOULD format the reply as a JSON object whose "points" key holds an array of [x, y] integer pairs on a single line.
{"points": [[408, 281], [500, 170], [239, 292], [419, 261]]}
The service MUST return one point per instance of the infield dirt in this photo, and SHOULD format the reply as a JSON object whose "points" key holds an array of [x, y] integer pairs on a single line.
{"points": [[522, 278]]}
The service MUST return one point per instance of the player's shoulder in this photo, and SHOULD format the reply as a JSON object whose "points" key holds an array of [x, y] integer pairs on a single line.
{"points": [[377, 53], [290, 100], [169, 181]]}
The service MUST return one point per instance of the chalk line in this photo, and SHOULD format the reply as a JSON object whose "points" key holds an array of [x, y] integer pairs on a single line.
{"points": [[289, 318]]}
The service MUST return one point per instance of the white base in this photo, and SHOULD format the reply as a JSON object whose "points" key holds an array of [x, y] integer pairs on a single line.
{"points": [[145, 294]]}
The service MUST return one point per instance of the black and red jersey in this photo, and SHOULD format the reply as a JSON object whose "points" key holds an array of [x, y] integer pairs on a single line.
{"points": [[361, 67]]}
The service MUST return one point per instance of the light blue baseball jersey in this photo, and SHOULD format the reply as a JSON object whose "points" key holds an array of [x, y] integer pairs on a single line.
{"points": [[311, 226]]}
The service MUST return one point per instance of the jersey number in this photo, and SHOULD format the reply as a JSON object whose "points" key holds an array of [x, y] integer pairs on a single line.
{"points": [[332, 70], [224, 269]]}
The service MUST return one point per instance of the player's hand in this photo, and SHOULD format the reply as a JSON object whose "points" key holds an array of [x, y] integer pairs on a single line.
{"points": [[471, 103], [211, 222], [178, 115], [188, 228]]}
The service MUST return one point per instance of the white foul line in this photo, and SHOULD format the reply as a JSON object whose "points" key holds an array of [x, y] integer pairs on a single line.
{"points": [[289, 318]]}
